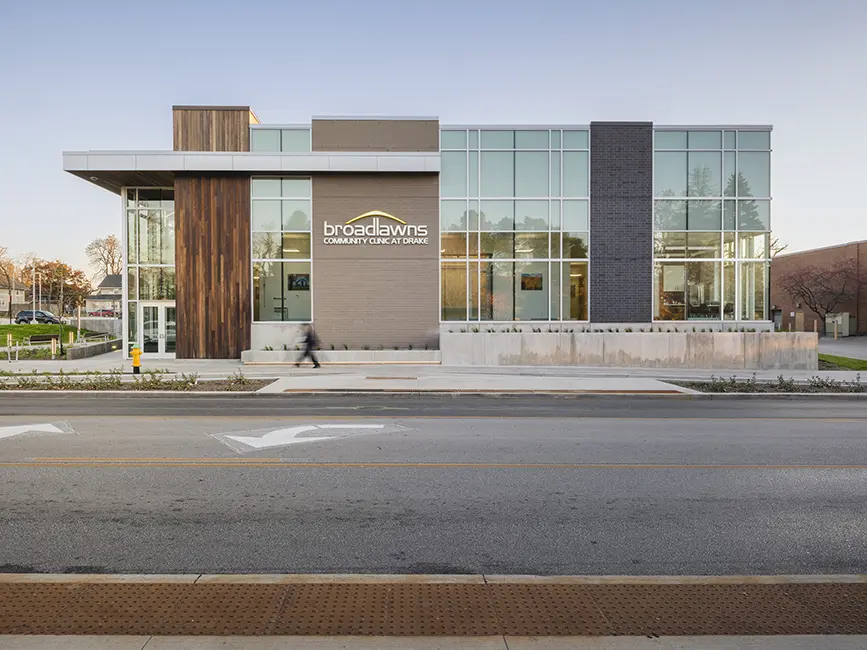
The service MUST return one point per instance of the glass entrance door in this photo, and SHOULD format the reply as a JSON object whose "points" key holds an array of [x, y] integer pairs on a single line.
{"points": [[157, 329]]}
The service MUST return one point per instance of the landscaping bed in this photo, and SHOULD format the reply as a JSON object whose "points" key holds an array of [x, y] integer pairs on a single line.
{"points": [[149, 381], [779, 385]]}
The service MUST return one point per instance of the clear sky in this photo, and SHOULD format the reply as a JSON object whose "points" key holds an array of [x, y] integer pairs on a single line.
{"points": [[96, 74]]}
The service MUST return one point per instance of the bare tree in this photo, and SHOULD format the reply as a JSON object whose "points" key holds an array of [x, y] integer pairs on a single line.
{"points": [[7, 274], [777, 247], [105, 255], [822, 289]]}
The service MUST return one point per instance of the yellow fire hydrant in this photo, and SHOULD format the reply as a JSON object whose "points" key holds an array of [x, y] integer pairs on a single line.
{"points": [[136, 360]]}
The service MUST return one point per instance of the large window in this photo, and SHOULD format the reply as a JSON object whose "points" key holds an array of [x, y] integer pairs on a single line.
{"points": [[515, 224], [281, 222], [150, 250], [277, 140], [712, 224]]}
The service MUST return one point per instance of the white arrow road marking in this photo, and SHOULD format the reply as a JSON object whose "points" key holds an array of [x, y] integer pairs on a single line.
{"points": [[17, 430], [294, 435]]}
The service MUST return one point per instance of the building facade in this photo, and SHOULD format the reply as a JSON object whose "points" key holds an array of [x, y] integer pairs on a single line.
{"points": [[384, 231], [107, 298]]}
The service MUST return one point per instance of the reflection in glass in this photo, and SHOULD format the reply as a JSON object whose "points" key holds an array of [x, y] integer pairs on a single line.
{"points": [[281, 291], [705, 173], [497, 291], [150, 329], [453, 174], [453, 139], [131, 236], [555, 173], [498, 215], [454, 291], [295, 141], [753, 246], [555, 215], [296, 188], [474, 173], [576, 139], [575, 303], [266, 215], [531, 215], [753, 290], [576, 176], [497, 245], [754, 140], [729, 173], [704, 140], [576, 215], [728, 215], [555, 139], [156, 283], [531, 173], [669, 215], [669, 173], [669, 140], [728, 290], [171, 330], [556, 279], [532, 245], [498, 139], [266, 245], [296, 215], [703, 215], [537, 139], [754, 174], [754, 215], [474, 139], [265, 188], [454, 244], [729, 139], [497, 174], [531, 291], [453, 215], [156, 237], [132, 325], [132, 283], [265, 140], [575, 245]]}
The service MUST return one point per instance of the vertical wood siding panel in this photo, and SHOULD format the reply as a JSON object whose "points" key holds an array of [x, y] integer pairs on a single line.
{"points": [[213, 266]]}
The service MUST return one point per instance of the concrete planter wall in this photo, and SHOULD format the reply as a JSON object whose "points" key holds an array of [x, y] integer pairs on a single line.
{"points": [[113, 326], [345, 356], [84, 350], [711, 350]]}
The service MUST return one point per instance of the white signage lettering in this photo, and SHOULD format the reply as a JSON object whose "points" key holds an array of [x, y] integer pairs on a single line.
{"points": [[378, 231]]}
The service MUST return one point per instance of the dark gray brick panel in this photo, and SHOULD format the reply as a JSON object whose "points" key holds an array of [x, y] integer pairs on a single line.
{"points": [[621, 222]]}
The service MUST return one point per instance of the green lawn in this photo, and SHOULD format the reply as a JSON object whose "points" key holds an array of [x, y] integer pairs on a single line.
{"points": [[844, 363], [20, 332]]}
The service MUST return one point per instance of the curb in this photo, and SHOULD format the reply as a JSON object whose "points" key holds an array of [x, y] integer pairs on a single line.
{"points": [[469, 579], [642, 395]]}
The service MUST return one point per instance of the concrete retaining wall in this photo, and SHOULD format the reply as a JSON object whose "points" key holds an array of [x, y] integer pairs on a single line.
{"points": [[711, 350], [82, 351], [344, 356], [113, 326]]}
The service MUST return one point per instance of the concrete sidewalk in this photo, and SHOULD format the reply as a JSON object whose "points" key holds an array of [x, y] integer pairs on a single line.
{"points": [[222, 368], [804, 642]]}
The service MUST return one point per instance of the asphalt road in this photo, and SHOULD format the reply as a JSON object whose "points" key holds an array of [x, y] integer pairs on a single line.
{"points": [[649, 486]]}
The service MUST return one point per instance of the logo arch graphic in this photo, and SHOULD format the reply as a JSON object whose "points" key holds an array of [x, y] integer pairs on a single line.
{"points": [[376, 213]]}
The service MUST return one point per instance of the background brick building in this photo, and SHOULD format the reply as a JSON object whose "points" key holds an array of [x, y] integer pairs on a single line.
{"points": [[790, 314]]}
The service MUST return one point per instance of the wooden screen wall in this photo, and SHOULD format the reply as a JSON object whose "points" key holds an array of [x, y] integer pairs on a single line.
{"points": [[211, 128], [212, 251]]}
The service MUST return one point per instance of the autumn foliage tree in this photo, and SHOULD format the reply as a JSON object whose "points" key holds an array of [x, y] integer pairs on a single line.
{"points": [[7, 274], [824, 289], [59, 281]]}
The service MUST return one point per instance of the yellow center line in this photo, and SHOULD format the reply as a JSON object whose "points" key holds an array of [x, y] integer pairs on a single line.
{"points": [[192, 462]]}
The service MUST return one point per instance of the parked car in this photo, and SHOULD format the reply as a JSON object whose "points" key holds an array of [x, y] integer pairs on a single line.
{"points": [[104, 313], [45, 317]]}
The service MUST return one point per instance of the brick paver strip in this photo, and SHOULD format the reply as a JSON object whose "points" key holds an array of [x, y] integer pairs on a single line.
{"points": [[432, 609]]}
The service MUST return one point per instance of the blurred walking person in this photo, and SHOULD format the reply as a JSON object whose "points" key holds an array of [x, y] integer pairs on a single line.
{"points": [[311, 342]]}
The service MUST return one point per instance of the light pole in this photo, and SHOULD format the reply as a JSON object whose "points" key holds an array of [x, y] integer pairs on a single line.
{"points": [[33, 295]]}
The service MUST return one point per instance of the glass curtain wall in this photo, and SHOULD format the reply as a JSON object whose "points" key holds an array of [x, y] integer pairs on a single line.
{"points": [[150, 251], [281, 224], [514, 223], [712, 225]]}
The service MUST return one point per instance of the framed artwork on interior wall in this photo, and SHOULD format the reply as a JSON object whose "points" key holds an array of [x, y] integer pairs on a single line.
{"points": [[298, 282], [531, 282]]}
